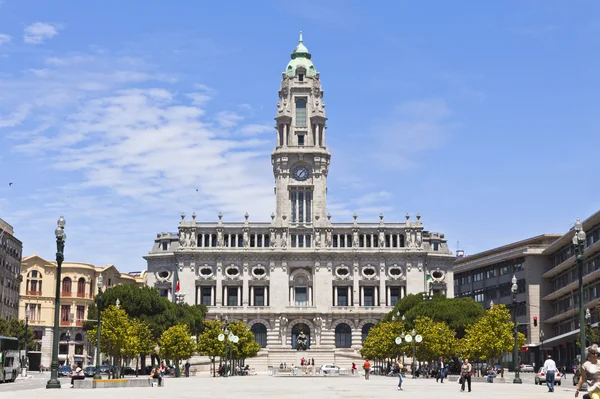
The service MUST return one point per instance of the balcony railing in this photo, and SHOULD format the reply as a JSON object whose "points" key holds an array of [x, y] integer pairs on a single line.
{"points": [[79, 323], [65, 323], [65, 293], [81, 295], [35, 293]]}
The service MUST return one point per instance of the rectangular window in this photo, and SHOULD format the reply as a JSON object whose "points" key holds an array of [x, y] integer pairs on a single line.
{"points": [[206, 296], [301, 112], [435, 246], [308, 196], [293, 240], [64, 312], [63, 349], [300, 139], [164, 293], [369, 299], [165, 245], [308, 240], [80, 313], [259, 296], [301, 296], [294, 202], [232, 296], [394, 296], [342, 296], [259, 240], [300, 241], [301, 206], [335, 241]]}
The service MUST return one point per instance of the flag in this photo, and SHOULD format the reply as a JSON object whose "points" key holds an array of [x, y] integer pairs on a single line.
{"points": [[428, 277], [176, 283]]}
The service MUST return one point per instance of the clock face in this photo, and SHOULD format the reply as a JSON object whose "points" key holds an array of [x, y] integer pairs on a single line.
{"points": [[300, 173]]}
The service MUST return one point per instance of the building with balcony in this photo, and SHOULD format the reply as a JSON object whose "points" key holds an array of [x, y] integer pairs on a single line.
{"points": [[486, 277], [10, 271], [560, 291], [301, 271], [78, 290]]}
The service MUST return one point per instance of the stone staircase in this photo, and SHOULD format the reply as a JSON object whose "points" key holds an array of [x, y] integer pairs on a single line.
{"points": [[273, 357]]}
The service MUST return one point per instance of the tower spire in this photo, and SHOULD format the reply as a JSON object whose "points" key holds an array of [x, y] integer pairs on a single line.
{"points": [[300, 40]]}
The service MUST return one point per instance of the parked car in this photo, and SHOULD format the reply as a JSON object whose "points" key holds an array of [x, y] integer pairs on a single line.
{"points": [[540, 378], [526, 368], [89, 371], [104, 369], [331, 369], [64, 371]]}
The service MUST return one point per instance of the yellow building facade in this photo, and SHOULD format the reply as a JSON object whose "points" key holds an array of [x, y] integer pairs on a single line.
{"points": [[78, 288]]}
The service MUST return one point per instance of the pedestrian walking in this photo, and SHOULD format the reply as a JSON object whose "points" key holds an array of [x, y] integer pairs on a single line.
{"points": [[441, 372], [398, 369], [465, 375], [187, 368], [367, 368], [590, 372], [550, 370], [353, 368]]}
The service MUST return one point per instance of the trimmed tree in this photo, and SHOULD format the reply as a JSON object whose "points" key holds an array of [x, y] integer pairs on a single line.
{"points": [[438, 339], [208, 342], [491, 336], [176, 344]]}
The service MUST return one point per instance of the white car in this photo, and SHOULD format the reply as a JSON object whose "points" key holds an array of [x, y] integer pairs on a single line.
{"points": [[331, 369], [540, 377], [526, 368]]}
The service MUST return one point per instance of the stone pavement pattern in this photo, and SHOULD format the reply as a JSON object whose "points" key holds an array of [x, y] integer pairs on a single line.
{"points": [[262, 386]]}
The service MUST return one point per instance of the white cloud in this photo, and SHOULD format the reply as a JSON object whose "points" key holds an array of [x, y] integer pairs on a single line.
{"points": [[15, 118], [39, 32], [4, 38], [228, 119]]}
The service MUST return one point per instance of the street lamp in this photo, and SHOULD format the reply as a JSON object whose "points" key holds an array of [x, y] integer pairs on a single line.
{"points": [[61, 237], [97, 375], [427, 296], [588, 323], [68, 349], [225, 329], [491, 303], [515, 289], [118, 303], [579, 243], [413, 334], [180, 298], [26, 336], [542, 347]]}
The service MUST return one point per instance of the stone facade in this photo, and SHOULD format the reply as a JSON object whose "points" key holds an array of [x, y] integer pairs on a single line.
{"points": [[10, 271], [300, 271], [78, 290]]}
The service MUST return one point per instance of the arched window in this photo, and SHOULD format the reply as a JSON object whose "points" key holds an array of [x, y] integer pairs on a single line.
{"points": [[365, 330], [78, 337], [81, 287], [301, 112], [66, 285], [343, 336], [260, 334], [63, 336], [33, 285]]}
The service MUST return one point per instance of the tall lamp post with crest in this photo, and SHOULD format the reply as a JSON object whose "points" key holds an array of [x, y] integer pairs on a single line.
{"points": [[61, 237]]}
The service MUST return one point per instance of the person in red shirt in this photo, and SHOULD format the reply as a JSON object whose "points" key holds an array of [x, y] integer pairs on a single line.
{"points": [[367, 367]]}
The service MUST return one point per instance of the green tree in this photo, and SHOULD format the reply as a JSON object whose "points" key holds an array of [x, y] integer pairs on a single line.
{"points": [[247, 346], [491, 336], [208, 342], [457, 313], [16, 328], [176, 343], [115, 335], [438, 339], [380, 342]]}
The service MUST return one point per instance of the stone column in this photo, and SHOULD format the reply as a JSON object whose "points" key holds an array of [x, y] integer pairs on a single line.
{"points": [[219, 286], [389, 297], [213, 298], [310, 300], [362, 296], [355, 284], [252, 296], [291, 296], [335, 296], [239, 296]]}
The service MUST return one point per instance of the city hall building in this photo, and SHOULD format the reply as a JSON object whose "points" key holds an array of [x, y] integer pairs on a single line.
{"points": [[300, 271]]}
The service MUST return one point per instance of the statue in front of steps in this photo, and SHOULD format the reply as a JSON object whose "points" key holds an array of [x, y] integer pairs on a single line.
{"points": [[301, 344]]}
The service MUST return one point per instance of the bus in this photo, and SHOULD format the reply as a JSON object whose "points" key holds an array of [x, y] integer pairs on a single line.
{"points": [[9, 359]]}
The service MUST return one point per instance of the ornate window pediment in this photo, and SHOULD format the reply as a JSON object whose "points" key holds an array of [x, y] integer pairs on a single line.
{"points": [[205, 272], [163, 275], [438, 275], [342, 272], [395, 272], [232, 272], [259, 272], [369, 272]]}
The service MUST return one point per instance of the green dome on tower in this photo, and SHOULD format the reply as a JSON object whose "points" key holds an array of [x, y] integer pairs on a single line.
{"points": [[300, 59]]}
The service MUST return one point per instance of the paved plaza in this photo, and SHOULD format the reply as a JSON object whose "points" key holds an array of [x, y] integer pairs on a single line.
{"points": [[263, 386]]}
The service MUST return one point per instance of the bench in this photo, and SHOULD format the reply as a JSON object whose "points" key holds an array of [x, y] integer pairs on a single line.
{"points": [[118, 383]]}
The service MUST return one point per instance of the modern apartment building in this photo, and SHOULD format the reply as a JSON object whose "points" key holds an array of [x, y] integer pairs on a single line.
{"points": [[10, 271], [78, 289], [487, 276], [560, 291]]}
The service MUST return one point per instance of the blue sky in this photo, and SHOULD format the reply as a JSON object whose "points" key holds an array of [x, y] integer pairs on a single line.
{"points": [[481, 116]]}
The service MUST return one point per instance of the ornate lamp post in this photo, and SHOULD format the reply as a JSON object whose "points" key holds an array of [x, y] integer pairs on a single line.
{"points": [[26, 336], [542, 347], [515, 289], [97, 375], [68, 348], [579, 243], [413, 334], [403, 321], [60, 247], [222, 338], [427, 296]]}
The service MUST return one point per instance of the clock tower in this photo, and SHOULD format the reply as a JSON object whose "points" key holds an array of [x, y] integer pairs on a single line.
{"points": [[300, 159]]}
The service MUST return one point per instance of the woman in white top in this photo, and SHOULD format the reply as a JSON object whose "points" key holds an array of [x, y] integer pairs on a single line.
{"points": [[590, 372]]}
